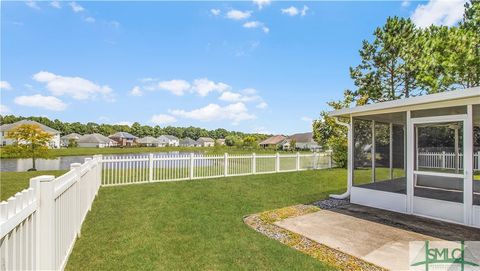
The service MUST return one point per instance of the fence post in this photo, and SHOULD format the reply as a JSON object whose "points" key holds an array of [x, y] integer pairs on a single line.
{"points": [[46, 222], [443, 159], [99, 165], [150, 167], [254, 163], [297, 163], [277, 162], [192, 164], [225, 164], [75, 167]]}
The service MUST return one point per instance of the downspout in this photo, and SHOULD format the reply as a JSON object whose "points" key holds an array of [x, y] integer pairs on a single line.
{"points": [[350, 160]]}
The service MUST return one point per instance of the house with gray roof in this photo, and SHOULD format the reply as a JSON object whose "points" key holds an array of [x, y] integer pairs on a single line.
{"points": [[4, 129], [168, 140], [67, 139], [303, 141], [148, 141], [188, 142], [124, 139], [206, 142], [95, 141]]}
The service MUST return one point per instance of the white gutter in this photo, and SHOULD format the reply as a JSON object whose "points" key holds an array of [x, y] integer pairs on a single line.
{"points": [[350, 160]]}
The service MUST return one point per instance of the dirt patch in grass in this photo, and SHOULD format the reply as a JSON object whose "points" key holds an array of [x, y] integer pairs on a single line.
{"points": [[263, 223]]}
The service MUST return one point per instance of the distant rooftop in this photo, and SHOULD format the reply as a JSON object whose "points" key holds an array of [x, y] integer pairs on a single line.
{"points": [[8, 127]]}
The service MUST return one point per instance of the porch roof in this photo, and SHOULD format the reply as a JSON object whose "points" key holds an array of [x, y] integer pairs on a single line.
{"points": [[396, 105]]}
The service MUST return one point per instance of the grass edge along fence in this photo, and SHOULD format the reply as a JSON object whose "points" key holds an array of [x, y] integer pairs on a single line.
{"points": [[39, 225], [135, 169]]}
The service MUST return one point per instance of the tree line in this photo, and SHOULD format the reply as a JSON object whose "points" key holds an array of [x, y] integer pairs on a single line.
{"points": [[403, 60], [136, 129]]}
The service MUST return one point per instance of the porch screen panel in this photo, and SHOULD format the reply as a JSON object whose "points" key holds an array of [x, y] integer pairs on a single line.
{"points": [[439, 149], [476, 154], [362, 153], [382, 152], [398, 153]]}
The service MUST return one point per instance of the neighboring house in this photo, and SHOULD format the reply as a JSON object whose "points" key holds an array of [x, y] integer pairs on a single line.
{"points": [[66, 139], [4, 129], [273, 142], [206, 141], [303, 141], [396, 175], [168, 140], [95, 141], [188, 142], [148, 141], [220, 141], [124, 139]]}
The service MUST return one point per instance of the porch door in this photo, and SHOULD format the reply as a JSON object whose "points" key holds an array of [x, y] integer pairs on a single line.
{"points": [[438, 169]]}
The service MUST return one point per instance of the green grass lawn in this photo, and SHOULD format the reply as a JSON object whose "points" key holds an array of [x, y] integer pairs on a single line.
{"points": [[13, 182], [92, 151], [192, 225]]}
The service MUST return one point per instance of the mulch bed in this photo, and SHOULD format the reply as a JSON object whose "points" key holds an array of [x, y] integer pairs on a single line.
{"points": [[263, 223]]}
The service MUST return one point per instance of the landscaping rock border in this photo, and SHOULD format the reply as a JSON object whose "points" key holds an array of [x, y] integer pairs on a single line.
{"points": [[264, 223]]}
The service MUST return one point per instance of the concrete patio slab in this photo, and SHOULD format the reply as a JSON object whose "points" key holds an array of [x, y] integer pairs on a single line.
{"points": [[379, 244]]}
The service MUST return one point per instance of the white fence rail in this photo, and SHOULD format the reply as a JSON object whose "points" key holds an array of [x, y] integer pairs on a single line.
{"points": [[39, 226], [445, 160], [118, 170]]}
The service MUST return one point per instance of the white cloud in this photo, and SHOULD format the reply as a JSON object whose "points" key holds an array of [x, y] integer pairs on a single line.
{"points": [[405, 3], [256, 24], [215, 11], [136, 91], [55, 4], [124, 122], [292, 11], [247, 96], [5, 85], [45, 102], [32, 4], [306, 119], [177, 87], [262, 105], [438, 12], [76, 7], [4, 109], [114, 24], [238, 14], [262, 130], [304, 10], [262, 3], [204, 86], [162, 119], [236, 113], [77, 87], [89, 19]]}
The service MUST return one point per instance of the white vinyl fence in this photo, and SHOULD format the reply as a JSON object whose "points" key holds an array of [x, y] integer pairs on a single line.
{"points": [[39, 226], [445, 160], [118, 170]]}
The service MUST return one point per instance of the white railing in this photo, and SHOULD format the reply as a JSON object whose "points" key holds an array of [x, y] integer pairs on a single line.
{"points": [[445, 160], [118, 170], [39, 226]]}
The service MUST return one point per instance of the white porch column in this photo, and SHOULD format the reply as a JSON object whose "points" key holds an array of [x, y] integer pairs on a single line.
{"points": [[390, 150], [350, 162], [409, 162], [468, 166], [373, 151]]}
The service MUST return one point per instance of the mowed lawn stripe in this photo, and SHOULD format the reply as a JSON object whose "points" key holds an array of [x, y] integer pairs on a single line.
{"points": [[191, 225]]}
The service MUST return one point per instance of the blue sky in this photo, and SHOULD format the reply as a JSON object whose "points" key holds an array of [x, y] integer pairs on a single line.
{"points": [[252, 66]]}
